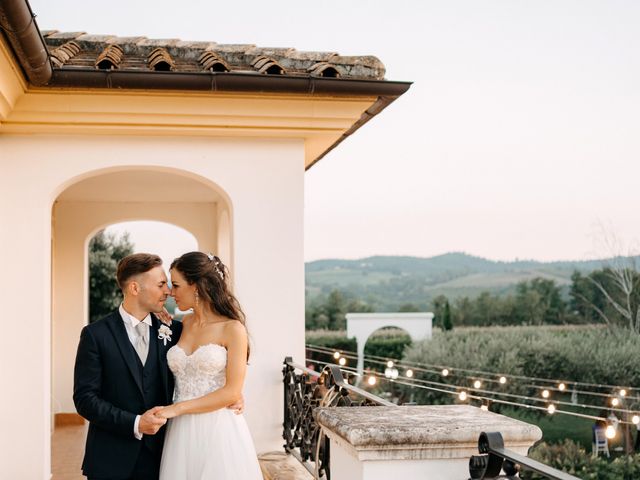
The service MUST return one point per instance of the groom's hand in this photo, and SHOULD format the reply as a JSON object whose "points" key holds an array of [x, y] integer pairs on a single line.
{"points": [[237, 407], [150, 423]]}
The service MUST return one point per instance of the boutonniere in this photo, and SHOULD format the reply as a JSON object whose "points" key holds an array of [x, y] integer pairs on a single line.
{"points": [[164, 334]]}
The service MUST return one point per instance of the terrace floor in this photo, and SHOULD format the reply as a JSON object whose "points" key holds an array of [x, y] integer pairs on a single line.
{"points": [[68, 449]]}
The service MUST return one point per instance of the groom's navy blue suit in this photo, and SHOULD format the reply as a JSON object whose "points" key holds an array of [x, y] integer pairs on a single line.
{"points": [[111, 387]]}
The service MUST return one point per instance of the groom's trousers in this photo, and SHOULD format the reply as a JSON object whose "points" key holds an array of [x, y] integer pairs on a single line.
{"points": [[147, 467]]}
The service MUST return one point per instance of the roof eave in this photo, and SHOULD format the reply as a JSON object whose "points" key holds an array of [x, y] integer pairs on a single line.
{"points": [[17, 21]]}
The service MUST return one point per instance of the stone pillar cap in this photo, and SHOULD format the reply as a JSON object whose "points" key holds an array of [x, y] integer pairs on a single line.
{"points": [[429, 431]]}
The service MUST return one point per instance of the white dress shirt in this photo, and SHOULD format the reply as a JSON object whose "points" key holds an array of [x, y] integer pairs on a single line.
{"points": [[130, 323]]}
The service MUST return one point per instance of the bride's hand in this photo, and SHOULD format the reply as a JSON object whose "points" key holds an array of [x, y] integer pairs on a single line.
{"points": [[168, 412], [165, 317]]}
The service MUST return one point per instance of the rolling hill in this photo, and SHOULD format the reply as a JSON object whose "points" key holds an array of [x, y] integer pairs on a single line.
{"points": [[390, 281]]}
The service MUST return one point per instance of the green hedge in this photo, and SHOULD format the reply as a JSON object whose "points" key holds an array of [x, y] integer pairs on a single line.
{"points": [[571, 458]]}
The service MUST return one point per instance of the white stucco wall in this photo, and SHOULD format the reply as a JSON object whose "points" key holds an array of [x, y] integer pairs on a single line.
{"points": [[264, 183]]}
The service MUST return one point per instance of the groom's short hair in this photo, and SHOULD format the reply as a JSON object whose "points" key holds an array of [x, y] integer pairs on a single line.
{"points": [[135, 264]]}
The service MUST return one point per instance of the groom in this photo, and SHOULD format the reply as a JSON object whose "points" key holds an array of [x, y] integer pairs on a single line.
{"points": [[121, 376]]}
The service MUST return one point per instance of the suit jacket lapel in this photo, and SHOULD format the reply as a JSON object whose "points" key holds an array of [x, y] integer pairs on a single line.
{"points": [[126, 349], [161, 351]]}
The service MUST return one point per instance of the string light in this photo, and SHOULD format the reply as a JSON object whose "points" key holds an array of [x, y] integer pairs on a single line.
{"points": [[503, 380], [409, 373], [635, 419], [371, 380], [551, 409], [610, 432], [462, 395], [622, 392], [336, 355], [545, 393], [491, 392], [598, 385], [477, 384], [390, 364], [342, 361]]}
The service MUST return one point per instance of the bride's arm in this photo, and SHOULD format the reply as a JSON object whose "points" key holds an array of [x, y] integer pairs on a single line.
{"points": [[231, 392]]}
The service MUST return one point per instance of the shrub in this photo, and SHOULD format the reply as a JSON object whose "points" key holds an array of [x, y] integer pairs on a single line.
{"points": [[571, 458]]}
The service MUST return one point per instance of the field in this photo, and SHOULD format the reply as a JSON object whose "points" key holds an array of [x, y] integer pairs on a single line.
{"points": [[568, 354]]}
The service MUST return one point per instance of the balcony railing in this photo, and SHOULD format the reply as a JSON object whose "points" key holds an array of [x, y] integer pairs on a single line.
{"points": [[494, 459], [306, 389]]}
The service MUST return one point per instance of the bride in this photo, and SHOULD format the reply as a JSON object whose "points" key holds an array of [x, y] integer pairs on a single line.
{"points": [[204, 439]]}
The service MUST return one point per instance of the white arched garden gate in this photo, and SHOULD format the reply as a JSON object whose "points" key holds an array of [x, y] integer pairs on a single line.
{"points": [[362, 325]]}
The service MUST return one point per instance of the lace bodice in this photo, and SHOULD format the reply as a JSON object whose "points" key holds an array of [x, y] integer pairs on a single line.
{"points": [[197, 374]]}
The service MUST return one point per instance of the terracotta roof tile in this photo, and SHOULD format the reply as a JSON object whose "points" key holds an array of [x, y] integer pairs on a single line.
{"points": [[143, 54]]}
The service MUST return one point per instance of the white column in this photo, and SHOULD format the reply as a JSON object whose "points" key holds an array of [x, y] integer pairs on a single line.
{"points": [[25, 350]]}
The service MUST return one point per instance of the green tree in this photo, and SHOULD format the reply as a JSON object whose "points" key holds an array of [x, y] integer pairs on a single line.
{"points": [[447, 324], [437, 304], [105, 250]]}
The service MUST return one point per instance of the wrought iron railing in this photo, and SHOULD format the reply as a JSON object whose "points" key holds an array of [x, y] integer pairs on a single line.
{"points": [[305, 391], [495, 459]]}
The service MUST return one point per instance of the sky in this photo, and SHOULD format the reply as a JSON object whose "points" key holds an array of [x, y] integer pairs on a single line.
{"points": [[518, 138]]}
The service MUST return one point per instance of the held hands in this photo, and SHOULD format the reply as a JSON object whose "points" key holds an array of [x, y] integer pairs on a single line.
{"points": [[151, 422], [168, 412]]}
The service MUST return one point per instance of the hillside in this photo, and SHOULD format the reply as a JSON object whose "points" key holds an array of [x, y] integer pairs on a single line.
{"points": [[390, 281]]}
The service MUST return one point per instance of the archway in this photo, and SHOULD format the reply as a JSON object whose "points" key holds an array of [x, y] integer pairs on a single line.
{"points": [[362, 325], [93, 203]]}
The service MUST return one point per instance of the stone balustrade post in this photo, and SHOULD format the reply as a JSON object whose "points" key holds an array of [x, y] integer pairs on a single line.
{"points": [[431, 442]]}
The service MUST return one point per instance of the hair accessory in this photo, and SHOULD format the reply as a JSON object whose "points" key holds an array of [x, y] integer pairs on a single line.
{"points": [[216, 264]]}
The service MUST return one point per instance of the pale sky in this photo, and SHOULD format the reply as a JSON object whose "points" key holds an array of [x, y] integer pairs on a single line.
{"points": [[518, 137]]}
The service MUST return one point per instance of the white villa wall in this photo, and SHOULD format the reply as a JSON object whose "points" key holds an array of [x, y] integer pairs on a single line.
{"points": [[263, 179]]}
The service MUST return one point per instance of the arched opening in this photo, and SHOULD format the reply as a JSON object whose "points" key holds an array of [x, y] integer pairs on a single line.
{"points": [[363, 325], [150, 198]]}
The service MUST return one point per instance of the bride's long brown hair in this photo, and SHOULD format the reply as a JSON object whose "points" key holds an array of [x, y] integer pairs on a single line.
{"points": [[210, 277]]}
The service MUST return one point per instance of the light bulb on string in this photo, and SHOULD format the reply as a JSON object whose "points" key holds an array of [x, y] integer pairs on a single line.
{"points": [[635, 419], [462, 396], [610, 432], [371, 380], [342, 361], [562, 387], [615, 402], [409, 373], [551, 409], [503, 380], [336, 355], [623, 392], [445, 372], [477, 384], [545, 393], [390, 364]]}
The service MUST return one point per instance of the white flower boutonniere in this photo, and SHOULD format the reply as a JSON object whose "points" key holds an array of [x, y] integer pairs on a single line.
{"points": [[164, 334]]}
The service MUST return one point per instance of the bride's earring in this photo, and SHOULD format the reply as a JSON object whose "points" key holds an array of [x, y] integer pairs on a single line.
{"points": [[197, 299]]}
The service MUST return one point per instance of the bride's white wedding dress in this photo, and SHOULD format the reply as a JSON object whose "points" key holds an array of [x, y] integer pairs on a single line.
{"points": [[205, 446]]}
